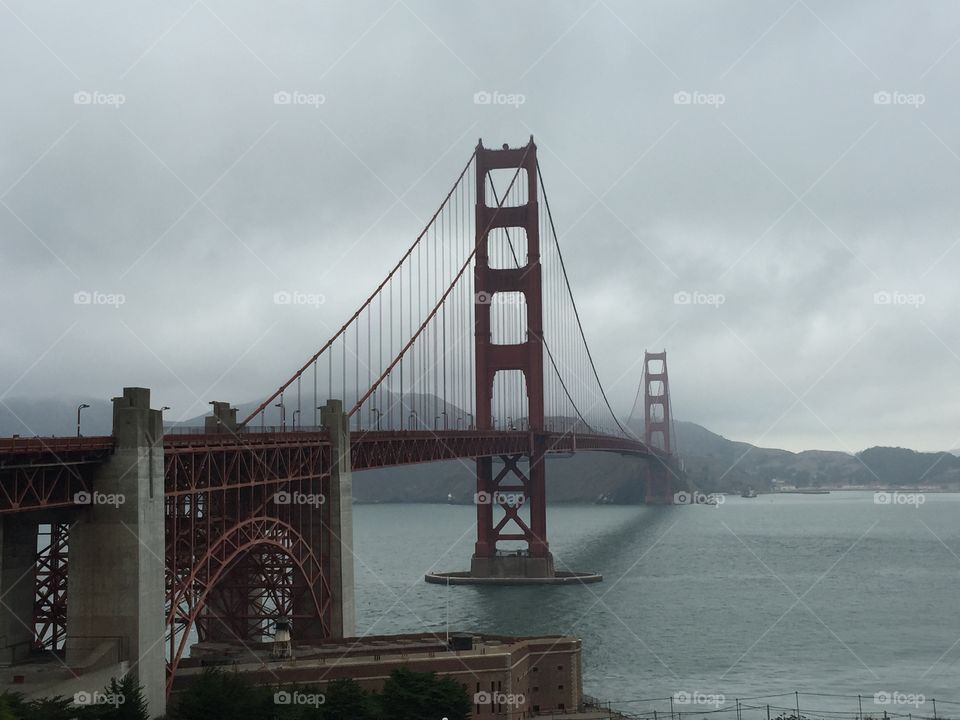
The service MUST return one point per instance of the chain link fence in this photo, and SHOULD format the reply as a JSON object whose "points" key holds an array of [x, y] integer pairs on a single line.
{"points": [[885, 705]]}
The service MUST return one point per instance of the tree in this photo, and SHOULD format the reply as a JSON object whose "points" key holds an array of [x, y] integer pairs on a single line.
{"points": [[7, 702], [346, 700], [55, 708], [129, 703], [409, 695], [216, 694]]}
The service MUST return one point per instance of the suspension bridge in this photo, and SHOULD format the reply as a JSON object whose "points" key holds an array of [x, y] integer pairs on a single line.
{"points": [[123, 548]]}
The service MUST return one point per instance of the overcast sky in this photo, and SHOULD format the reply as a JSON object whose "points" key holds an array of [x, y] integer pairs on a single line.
{"points": [[779, 162]]}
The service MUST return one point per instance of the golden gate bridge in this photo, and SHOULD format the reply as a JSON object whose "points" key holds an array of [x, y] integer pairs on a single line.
{"points": [[471, 348]]}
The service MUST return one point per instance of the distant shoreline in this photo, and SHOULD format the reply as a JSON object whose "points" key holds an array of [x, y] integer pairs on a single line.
{"points": [[820, 491], [937, 491]]}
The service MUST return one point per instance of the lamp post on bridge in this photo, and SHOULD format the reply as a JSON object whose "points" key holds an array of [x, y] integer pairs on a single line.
{"points": [[379, 415], [296, 414], [411, 420], [80, 407], [283, 415]]}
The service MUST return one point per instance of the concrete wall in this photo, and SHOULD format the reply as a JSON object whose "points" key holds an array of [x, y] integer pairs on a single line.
{"points": [[18, 554], [340, 502], [115, 610]]}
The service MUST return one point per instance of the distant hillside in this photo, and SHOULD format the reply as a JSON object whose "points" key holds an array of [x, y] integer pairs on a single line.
{"points": [[58, 416], [714, 463]]}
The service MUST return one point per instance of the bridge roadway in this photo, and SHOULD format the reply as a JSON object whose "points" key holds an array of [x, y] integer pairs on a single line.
{"points": [[38, 473]]}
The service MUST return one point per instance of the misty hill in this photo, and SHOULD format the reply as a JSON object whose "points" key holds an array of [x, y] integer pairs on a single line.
{"points": [[714, 463], [54, 416]]}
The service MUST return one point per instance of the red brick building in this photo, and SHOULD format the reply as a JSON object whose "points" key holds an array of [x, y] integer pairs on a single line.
{"points": [[507, 677]]}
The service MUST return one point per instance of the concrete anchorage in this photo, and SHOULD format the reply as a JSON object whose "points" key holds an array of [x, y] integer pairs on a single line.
{"points": [[115, 610], [340, 519], [18, 555]]}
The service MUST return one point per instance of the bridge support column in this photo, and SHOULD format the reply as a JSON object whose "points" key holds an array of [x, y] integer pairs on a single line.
{"points": [[224, 418], [659, 484], [115, 613], [18, 555], [330, 532], [658, 428], [501, 497]]}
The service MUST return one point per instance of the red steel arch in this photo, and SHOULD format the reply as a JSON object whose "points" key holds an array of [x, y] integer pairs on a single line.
{"points": [[212, 566]]}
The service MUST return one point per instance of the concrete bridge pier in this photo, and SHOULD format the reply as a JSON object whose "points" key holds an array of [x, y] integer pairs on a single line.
{"points": [[115, 613], [659, 488], [338, 517], [18, 554]]}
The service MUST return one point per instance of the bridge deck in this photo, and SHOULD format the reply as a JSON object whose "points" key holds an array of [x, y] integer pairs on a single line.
{"points": [[48, 472]]}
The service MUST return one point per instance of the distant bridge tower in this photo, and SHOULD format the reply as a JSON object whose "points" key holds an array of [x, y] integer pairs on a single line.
{"points": [[658, 428]]}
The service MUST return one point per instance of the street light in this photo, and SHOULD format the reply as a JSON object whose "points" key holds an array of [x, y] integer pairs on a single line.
{"points": [[410, 420], [379, 415], [80, 407], [296, 414], [283, 415]]}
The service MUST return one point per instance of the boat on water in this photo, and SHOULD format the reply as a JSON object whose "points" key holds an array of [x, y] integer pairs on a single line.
{"points": [[749, 493]]}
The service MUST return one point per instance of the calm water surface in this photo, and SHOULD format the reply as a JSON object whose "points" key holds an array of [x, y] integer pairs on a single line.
{"points": [[828, 593]]}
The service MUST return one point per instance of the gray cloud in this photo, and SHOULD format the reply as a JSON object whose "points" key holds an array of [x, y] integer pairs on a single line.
{"points": [[797, 199]]}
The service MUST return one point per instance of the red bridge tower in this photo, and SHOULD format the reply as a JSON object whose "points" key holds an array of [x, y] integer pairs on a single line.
{"points": [[658, 428], [501, 491]]}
